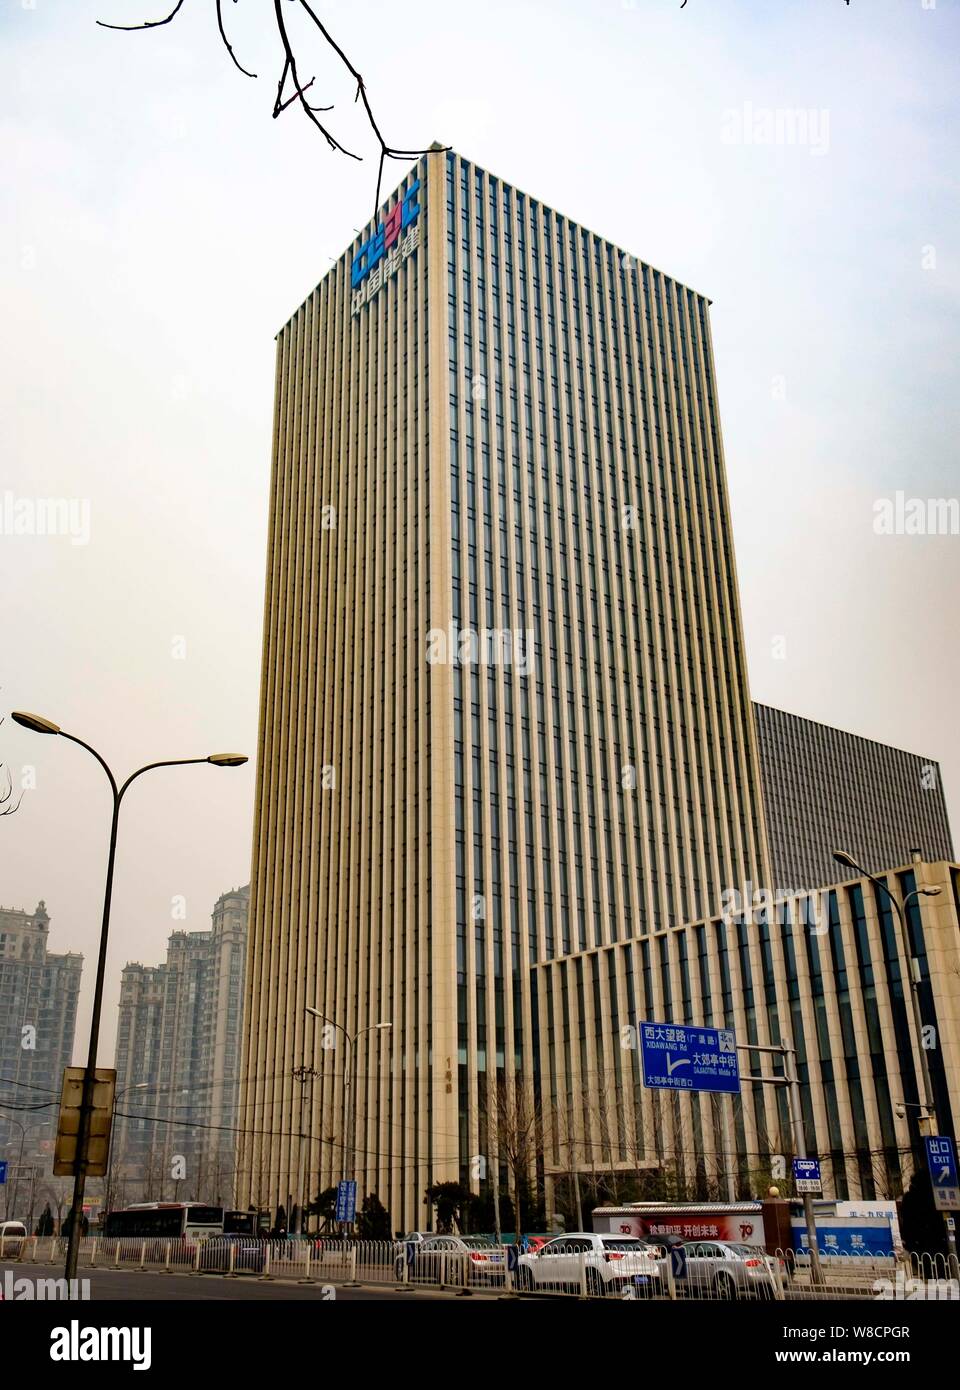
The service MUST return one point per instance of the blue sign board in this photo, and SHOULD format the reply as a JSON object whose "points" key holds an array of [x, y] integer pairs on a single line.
{"points": [[678, 1262], [806, 1175], [680, 1058], [3, 1170], [346, 1200], [942, 1162], [845, 1240], [372, 252]]}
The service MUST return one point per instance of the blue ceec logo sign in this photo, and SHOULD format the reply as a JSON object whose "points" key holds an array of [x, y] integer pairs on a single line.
{"points": [[397, 220]]}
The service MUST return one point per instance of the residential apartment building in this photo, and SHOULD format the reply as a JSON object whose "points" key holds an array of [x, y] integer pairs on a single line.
{"points": [[39, 990], [177, 1064]]}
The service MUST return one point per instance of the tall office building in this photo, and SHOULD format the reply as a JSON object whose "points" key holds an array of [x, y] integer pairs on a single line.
{"points": [[38, 1013], [177, 1061], [504, 704], [825, 789]]}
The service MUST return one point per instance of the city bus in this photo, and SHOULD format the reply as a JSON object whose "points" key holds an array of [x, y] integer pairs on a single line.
{"points": [[240, 1223], [165, 1221]]}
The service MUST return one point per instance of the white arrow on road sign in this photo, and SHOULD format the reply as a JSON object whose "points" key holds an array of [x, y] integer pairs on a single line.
{"points": [[672, 1066], [944, 1175]]}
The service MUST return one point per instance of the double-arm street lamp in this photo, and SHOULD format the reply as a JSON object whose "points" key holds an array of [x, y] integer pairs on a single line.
{"points": [[842, 857], [38, 725], [927, 1121], [349, 1082]]}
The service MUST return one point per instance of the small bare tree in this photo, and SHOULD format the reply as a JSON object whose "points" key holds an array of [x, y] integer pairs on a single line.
{"points": [[516, 1134], [8, 806]]}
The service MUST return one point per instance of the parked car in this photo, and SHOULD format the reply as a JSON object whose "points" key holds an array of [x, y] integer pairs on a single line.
{"points": [[730, 1270], [12, 1236], [249, 1254], [455, 1259], [603, 1263], [667, 1239]]}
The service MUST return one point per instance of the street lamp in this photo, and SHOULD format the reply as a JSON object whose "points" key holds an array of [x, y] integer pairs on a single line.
{"points": [[24, 1131], [928, 1103], [349, 1087], [38, 725], [842, 857], [137, 1086]]}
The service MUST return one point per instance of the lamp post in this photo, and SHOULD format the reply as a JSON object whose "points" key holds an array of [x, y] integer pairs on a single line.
{"points": [[138, 1086], [928, 1104], [38, 725], [349, 1084], [842, 857], [303, 1074], [24, 1131]]}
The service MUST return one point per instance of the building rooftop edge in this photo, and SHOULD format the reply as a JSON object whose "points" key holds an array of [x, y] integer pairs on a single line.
{"points": [[848, 733], [473, 165], [950, 865]]}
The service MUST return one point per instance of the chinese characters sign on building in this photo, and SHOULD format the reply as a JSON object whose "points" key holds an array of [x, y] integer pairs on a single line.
{"points": [[380, 257], [679, 1058]]}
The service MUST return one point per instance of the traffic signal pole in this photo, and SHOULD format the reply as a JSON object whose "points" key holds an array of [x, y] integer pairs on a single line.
{"points": [[792, 1082]]}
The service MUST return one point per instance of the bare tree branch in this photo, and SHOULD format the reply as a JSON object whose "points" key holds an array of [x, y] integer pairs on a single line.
{"points": [[282, 106], [289, 69], [6, 792], [147, 23], [291, 64], [227, 44]]}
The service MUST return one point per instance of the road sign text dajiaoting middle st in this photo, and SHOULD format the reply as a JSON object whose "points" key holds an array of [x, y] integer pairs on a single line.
{"points": [[680, 1058]]}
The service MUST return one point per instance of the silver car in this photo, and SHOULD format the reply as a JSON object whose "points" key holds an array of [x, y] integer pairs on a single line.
{"points": [[457, 1260], [722, 1269]]}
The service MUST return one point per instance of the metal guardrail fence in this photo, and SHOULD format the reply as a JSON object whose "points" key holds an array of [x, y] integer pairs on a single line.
{"points": [[573, 1272]]}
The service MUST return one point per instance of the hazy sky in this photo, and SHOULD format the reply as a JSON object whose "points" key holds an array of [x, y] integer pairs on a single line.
{"points": [[158, 228]]}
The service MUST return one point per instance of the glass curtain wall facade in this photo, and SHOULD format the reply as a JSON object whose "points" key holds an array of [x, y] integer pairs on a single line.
{"points": [[826, 789]]}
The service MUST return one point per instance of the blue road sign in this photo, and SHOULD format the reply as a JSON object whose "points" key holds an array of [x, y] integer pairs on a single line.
{"points": [[942, 1162], [678, 1058], [806, 1175], [346, 1200], [678, 1261], [513, 1258], [3, 1170]]}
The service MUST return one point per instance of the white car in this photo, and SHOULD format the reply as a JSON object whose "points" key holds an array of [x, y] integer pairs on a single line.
{"points": [[13, 1234], [600, 1264]]}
